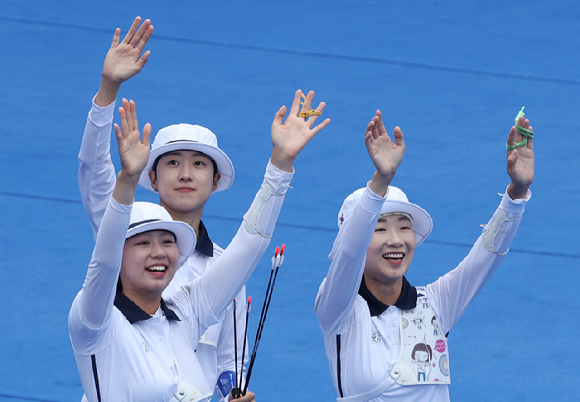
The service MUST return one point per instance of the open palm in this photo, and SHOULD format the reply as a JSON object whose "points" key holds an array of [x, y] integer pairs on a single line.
{"points": [[290, 138], [133, 152], [124, 58], [385, 154]]}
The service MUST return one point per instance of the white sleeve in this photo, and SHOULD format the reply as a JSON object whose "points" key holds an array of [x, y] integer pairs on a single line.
{"points": [[231, 271], [453, 293], [91, 311], [96, 170], [338, 292]]}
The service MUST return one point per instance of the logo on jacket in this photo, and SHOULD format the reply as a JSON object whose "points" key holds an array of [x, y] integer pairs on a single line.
{"points": [[376, 337]]}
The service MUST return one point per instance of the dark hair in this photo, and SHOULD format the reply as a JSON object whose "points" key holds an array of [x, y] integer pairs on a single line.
{"points": [[422, 347], [215, 169]]}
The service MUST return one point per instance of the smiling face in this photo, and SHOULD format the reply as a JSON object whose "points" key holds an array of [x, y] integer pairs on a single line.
{"points": [[185, 180], [150, 260], [421, 356], [390, 252]]}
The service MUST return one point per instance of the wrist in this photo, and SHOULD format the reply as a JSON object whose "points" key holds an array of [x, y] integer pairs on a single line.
{"points": [[517, 192], [107, 91], [128, 177], [380, 183], [125, 186], [282, 161]]}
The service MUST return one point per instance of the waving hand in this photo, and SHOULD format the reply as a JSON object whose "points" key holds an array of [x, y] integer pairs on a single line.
{"points": [[385, 154], [124, 60], [133, 151], [290, 137]]}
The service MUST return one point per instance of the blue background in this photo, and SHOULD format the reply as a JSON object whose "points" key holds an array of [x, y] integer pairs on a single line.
{"points": [[452, 74]]}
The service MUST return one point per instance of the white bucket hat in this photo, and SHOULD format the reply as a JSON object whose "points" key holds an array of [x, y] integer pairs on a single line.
{"points": [[146, 216], [396, 202], [193, 138]]}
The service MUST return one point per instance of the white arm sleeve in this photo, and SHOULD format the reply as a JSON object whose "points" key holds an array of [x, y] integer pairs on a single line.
{"points": [[339, 290], [234, 267], [96, 171], [98, 294], [454, 292]]}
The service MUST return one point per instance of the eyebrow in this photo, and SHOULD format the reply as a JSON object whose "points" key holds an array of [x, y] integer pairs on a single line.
{"points": [[399, 219], [180, 152]]}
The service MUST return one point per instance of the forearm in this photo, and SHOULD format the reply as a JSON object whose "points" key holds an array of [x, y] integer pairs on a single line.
{"points": [[338, 293], [455, 291], [96, 171], [516, 191], [100, 284], [240, 258]]}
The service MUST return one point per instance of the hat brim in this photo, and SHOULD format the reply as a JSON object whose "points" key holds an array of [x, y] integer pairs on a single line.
{"points": [[422, 222], [224, 164], [184, 235]]}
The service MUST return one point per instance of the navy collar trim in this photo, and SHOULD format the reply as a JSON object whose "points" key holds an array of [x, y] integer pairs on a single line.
{"points": [[133, 313], [407, 300], [204, 244]]}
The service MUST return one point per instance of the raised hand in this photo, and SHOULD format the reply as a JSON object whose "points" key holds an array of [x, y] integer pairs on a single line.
{"points": [[290, 138], [133, 152], [520, 162], [124, 59], [385, 154]]}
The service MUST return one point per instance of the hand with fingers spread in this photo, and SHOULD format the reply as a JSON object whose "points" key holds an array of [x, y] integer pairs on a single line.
{"points": [[290, 137], [124, 60], [133, 152], [385, 154], [520, 161]]}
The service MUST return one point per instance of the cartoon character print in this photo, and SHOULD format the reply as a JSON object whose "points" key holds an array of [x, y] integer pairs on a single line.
{"points": [[422, 355], [419, 320], [436, 327], [425, 354]]}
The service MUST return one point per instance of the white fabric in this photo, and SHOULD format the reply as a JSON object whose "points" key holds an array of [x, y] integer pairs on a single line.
{"points": [[96, 182], [341, 310], [193, 385]]}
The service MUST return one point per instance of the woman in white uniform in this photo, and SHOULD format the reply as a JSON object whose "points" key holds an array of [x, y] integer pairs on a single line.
{"points": [[385, 339], [129, 343]]}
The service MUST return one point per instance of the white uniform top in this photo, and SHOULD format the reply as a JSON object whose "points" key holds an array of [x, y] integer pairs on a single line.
{"points": [[130, 349], [358, 363], [96, 181]]}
